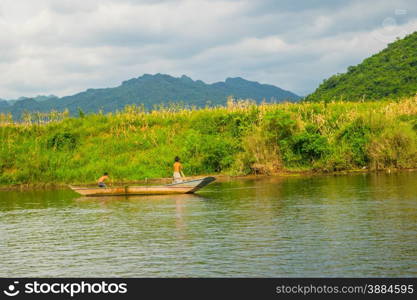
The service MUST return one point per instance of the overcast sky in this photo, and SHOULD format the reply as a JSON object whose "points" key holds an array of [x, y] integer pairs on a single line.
{"points": [[66, 46]]}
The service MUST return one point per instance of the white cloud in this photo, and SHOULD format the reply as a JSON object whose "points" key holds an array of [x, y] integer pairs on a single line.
{"points": [[66, 46]]}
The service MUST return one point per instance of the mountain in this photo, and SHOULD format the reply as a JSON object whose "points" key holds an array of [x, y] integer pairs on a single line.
{"points": [[390, 73], [151, 90], [4, 104], [41, 98]]}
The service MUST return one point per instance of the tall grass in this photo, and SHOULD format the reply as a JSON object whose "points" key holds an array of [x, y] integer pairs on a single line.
{"points": [[240, 138]]}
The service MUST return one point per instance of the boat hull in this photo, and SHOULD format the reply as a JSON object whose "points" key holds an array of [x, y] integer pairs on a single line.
{"points": [[186, 187]]}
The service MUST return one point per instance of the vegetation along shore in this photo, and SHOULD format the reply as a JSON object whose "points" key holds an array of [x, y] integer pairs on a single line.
{"points": [[238, 139]]}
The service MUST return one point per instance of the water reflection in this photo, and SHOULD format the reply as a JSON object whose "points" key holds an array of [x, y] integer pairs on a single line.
{"points": [[134, 198], [141, 205], [355, 225]]}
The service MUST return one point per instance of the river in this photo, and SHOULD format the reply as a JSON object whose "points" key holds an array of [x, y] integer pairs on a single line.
{"points": [[346, 225]]}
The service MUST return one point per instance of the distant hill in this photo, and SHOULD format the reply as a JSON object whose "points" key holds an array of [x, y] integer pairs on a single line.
{"points": [[4, 104], [389, 73], [39, 98], [151, 90], [44, 98]]}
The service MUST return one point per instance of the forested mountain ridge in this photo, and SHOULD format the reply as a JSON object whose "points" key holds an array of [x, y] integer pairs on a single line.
{"points": [[151, 90]]}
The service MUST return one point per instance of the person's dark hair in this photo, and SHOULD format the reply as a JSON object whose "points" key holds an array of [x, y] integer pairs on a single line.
{"points": [[106, 174], [177, 158]]}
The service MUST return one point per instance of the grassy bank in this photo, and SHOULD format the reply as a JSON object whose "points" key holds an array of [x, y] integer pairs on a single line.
{"points": [[239, 139]]}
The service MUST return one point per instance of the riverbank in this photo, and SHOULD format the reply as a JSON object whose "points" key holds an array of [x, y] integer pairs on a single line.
{"points": [[219, 178], [238, 140]]}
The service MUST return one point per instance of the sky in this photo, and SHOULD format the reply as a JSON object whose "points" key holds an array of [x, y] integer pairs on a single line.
{"points": [[62, 47]]}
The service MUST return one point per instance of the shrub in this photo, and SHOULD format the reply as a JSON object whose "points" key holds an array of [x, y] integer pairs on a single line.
{"points": [[218, 153], [396, 147], [310, 146], [257, 156], [279, 125], [61, 141], [213, 153], [134, 144], [356, 136]]}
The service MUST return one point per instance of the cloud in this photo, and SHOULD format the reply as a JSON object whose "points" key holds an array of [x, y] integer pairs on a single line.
{"points": [[63, 47]]}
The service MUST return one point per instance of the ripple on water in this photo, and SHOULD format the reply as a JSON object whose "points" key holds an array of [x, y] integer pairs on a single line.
{"points": [[350, 226]]}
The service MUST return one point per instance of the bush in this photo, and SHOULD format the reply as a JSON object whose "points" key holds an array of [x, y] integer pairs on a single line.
{"points": [[210, 153], [218, 153], [356, 136], [61, 141], [134, 145], [257, 155], [279, 125], [396, 147], [310, 146]]}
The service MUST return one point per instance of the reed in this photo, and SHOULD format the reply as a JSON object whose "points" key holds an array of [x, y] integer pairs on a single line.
{"points": [[239, 138]]}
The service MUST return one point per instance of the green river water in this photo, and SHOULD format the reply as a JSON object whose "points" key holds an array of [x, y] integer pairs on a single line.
{"points": [[350, 225]]}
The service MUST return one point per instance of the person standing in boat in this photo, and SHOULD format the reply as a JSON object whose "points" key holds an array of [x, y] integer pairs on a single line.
{"points": [[178, 174], [102, 179]]}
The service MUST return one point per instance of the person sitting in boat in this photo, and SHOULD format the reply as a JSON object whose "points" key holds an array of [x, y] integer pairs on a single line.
{"points": [[102, 179], [178, 174]]}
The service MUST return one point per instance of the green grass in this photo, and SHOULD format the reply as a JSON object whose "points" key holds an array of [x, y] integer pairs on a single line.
{"points": [[239, 139]]}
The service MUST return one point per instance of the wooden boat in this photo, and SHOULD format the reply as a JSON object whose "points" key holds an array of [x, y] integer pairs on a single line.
{"points": [[133, 198], [185, 187]]}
